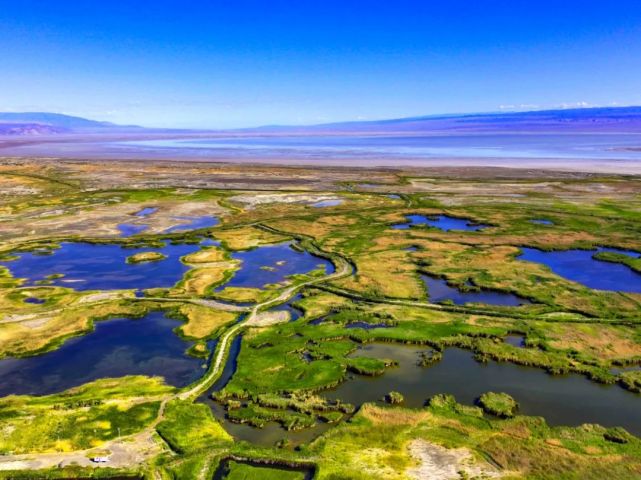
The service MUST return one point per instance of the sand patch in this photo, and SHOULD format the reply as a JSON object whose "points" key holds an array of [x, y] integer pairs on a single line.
{"points": [[265, 319], [252, 201], [436, 462]]}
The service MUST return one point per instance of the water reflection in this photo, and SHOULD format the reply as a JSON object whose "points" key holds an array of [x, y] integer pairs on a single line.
{"points": [[580, 266], [118, 347], [442, 222]]}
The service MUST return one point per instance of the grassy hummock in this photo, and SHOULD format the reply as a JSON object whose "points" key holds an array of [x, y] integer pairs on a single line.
{"points": [[499, 404], [615, 257], [144, 257], [394, 398]]}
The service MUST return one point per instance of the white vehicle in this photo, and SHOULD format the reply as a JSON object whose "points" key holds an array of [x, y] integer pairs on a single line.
{"points": [[100, 459]]}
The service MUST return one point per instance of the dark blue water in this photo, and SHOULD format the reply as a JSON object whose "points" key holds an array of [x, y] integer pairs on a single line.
{"points": [[542, 221], [145, 346], [101, 267], [278, 261], [442, 222], [438, 290], [36, 301], [580, 266], [194, 223]]}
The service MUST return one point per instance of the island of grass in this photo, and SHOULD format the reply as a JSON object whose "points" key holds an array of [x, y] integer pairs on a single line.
{"points": [[615, 257], [145, 257], [498, 404]]}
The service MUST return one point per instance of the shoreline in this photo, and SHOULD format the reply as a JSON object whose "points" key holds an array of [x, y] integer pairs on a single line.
{"points": [[116, 147], [417, 166]]}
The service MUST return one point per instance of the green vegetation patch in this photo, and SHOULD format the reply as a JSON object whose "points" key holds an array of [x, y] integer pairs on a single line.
{"points": [[499, 404], [383, 442], [144, 257], [614, 257], [80, 418], [242, 471], [190, 426]]}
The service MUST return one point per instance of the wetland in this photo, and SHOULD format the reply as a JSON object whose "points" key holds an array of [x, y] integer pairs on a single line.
{"points": [[296, 326]]}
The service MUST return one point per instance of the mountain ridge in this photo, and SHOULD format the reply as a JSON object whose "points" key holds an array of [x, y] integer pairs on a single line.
{"points": [[624, 119]]}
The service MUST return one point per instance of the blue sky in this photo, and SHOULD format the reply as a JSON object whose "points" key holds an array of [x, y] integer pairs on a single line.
{"points": [[244, 63]]}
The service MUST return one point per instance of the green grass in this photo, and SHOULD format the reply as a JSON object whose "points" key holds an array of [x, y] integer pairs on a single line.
{"points": [[614, 257], [373, 444], [241, 471], [190, 426], [499, 404], [279, 366], [79, 418]]}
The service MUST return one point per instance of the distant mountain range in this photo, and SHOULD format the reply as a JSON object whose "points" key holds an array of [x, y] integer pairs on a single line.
{"points": [[611, 119]]}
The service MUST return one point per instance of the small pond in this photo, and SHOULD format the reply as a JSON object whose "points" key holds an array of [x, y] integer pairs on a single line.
{"points": [[87, 266], [327, 203], [442, 222], [118, 347], [515, 339], [542, 221], [34, 300], [145, 212], [562, 400], [267, 436], [580, 266], [438, 290], [272, 264]]}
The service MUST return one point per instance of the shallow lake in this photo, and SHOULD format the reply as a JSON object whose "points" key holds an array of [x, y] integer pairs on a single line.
{"points": [[562, 400], [438, 290], [118, 347], [272, 264], [470, 146], [87, 266], [442, 222], [580, 266]]}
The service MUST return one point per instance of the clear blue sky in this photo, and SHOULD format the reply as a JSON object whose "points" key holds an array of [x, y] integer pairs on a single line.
{"points": [[243, 63]]}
